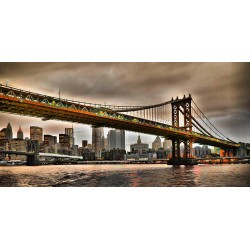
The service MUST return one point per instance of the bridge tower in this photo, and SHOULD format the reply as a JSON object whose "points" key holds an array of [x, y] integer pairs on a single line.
{"points": [[33, 146], [181, 109]]}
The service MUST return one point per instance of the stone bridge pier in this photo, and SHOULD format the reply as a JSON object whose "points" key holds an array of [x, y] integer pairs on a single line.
{"points": [[33, 156]]}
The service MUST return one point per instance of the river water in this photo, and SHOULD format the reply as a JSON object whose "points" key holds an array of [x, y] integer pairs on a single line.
{"points": [[126, 175], [140, 175]]}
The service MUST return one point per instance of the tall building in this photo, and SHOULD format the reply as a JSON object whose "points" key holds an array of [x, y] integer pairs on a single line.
{"points": [[97, 141], [36, 133], [64, 140], [18, 145], [4, 144], [202, 151], [3, 133], [88, 155], [9, 134], [113, 155], [20, 134], [84, 143], [167, 144], [156, 143], [105, 147], [50, 140], [139, 147], [116, 139], [70, 133]]}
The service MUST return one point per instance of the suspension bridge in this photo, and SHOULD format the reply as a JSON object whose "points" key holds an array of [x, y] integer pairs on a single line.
{"points": [[179, 119]]}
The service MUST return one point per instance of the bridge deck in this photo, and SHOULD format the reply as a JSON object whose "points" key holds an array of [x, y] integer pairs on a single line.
{"points": [[17, 103]]}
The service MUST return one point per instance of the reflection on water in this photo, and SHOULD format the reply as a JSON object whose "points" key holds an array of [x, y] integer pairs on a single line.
{"points": [[126, 175]]}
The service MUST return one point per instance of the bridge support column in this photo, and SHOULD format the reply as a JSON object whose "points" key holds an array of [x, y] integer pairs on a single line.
{"points": [[32, 160], [226, 153], [188, 150], [176, 153], [182, 107], [33, 146]]}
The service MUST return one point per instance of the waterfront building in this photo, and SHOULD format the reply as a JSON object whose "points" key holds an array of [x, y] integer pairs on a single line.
{"points": [[139, 147], [113, 155], [36, 133], [20, 133], [97, 141], [116, 139], [140, 157], [88, 155], [156, 144]]}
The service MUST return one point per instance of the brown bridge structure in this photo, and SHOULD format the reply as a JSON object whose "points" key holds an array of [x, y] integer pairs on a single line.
{"points": [[179, 120]]}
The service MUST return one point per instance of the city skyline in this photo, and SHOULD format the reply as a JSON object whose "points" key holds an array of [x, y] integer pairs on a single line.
{"points": [[15, 135], [223, 85], [114, 150]]}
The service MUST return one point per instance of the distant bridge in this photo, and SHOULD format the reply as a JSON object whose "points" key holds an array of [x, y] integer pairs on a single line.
{"points": [[32, 157], [179, 120]]}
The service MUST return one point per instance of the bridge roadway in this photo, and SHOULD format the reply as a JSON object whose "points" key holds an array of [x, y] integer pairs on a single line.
{"points": [[17, 101], [11, 152]]}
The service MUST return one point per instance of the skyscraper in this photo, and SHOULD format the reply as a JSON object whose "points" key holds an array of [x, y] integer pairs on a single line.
{"points": [[97, 140], [156, 143], [84, 143], [9, 134], [36, 133], [20, 133], [105, 143], [70, 133], [167, 144], [50, 140], [116, 139], [3, 133], [64, 140]]}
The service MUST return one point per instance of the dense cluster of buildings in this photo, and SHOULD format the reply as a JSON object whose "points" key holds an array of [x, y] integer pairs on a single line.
{"points": [[110, 148]]}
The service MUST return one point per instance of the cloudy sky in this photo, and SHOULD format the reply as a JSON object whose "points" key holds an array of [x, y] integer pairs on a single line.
{"points": [[221, 90]]}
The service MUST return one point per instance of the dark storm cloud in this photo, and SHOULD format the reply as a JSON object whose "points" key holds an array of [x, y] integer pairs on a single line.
{"points": [[221, 90]]}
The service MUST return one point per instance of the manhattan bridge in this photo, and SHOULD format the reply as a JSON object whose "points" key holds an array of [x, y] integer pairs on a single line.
{"points": [[179, 119]]}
